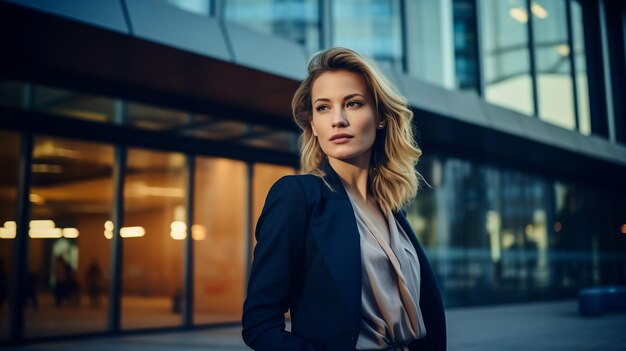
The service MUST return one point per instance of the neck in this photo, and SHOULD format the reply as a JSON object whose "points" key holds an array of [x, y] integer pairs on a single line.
{"points": [[353, 174]]}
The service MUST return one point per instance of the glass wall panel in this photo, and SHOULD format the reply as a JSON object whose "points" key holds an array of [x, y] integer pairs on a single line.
{"points": [[554, 82], [200, 7], [72, 104], [465, 45], [9, 162], [68, 255], [296, 20], [573, 236], [219, 234], [152, 233], [496, 235], [371, 27], [265, 175], [505, 66], [582, 87], [430, 55]]}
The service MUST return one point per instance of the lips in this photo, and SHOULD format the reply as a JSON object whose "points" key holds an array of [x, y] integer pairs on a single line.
{"points": [[340, 136]]}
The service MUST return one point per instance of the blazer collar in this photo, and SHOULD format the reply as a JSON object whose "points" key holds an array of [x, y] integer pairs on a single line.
{"points": [[339, 240], [338, 191]]}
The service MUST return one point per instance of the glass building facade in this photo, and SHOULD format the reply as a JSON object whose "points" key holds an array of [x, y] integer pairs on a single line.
{"points": [[132, 207]]}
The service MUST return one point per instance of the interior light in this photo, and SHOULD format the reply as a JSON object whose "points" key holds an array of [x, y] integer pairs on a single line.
{"points": [[623, 228], [36, 199], [198, 232], [178, 226], [563, 50], [45, 233], [519, 14], [70, 233], [46, 168], [108, 229], [538, 10], [108, 225], [8, 230], [41, 224], [142, 190], [178, 230], [132, 232], [50, 149]]}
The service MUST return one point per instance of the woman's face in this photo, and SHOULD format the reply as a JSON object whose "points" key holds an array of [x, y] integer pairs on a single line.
{"points": [[344, 116]]}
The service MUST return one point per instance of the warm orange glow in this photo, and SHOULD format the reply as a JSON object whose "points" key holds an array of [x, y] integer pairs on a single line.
{"points": [[198, 232], [557, 226], [623, 228], [143, 190], [36, 199]]}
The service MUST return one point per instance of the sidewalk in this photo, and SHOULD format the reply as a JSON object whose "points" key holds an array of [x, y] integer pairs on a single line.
{"points": [[534, 326]]}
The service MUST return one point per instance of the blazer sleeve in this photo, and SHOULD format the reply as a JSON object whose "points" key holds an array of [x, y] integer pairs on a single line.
{"points": [[278, 258]]}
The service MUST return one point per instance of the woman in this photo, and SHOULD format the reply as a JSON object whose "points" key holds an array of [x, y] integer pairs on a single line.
{"points": [[333, 246]]}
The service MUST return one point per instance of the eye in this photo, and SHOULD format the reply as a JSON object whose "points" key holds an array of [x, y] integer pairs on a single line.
{"points": [[321, 108], [354, 104]]}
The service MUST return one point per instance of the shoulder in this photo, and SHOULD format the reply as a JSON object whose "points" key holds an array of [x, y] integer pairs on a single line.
{"points": [[304, 184]]}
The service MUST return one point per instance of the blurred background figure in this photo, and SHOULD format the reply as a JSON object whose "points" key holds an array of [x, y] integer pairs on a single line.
{"points": [[94, 282]]}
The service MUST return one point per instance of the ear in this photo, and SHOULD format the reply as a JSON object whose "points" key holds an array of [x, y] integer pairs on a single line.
{"points": [[313, 128], [381, 124]]}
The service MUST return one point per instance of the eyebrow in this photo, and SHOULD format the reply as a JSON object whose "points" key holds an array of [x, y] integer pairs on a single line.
{"points": [[347, 97]]}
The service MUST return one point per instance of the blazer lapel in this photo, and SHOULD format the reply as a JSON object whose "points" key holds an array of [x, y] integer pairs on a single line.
{"points": [[339, 242]]}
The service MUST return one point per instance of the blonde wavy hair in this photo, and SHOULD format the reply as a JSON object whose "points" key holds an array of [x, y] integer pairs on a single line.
{"points": [[393, 179]]}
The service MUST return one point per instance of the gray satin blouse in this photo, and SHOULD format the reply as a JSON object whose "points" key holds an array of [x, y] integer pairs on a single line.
{"points": [[391, 286]]}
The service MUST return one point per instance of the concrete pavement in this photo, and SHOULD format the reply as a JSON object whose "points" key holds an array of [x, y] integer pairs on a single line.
{"points": [[530, 326]]}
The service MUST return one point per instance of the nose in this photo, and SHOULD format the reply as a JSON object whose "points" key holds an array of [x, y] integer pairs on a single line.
{"points": [[339, 118]]}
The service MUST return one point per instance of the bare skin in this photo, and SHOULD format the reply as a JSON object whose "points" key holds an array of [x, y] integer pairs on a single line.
{"points": [[342, 105]]}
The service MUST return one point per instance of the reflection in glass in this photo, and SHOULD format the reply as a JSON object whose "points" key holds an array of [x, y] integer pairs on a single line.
{"points": [[154, 224], [296, 20], [496, 235], [157, 118], [506, 67], [258, 136], [582, 87], [72, 104], [9, 162], [554, 82], [371, 27], [465, 44], [68, 256], [219, 235], [200, 7], [430, 57]]}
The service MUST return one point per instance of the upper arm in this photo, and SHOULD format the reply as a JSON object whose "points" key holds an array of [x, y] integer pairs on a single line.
{"points": [[278, 256]]}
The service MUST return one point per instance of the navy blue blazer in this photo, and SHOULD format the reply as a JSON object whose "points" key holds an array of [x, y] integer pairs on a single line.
{"points": [[308, 260]]}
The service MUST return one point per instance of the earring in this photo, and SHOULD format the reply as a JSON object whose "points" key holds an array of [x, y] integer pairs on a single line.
{"points": [[381, 125]]}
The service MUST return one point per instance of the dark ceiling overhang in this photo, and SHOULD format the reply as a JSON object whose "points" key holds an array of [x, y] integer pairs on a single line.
{"points": [[48, 49]]}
